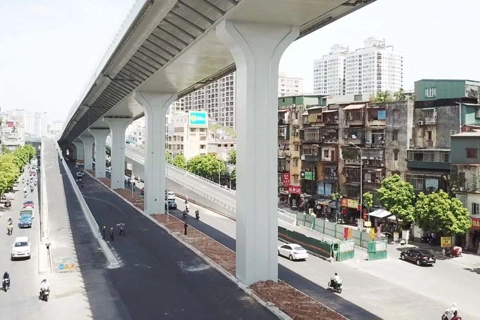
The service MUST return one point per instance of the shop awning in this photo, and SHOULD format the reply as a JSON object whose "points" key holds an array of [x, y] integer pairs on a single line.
{"points": [[380, 213], [329, 111], [305, 113], [282, 110], [323, 202], [354, 107]]}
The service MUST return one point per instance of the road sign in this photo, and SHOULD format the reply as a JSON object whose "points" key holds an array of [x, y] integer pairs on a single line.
{"points": [[446, 242], [61, 267]]}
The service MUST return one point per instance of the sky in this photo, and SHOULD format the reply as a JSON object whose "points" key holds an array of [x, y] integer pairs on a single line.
{"points": [[50, 49]]}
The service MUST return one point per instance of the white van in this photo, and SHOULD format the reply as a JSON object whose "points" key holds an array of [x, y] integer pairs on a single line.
{"points": [[169, 195]]}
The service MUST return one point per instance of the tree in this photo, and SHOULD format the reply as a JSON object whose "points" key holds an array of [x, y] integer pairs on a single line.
{"points": [[180, 161], [9, 169], [400, 95], [4, 186], [381, 97], [368, 200], [232, 157], [169, 157], [437, 211], [207, 166], [398, 197]]}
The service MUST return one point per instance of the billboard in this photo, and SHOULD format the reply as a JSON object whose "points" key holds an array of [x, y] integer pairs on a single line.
{"points": [[197, 118]]}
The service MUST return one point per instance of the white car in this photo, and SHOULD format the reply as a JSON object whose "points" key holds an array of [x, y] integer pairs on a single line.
{"points": [[293, 251], [21, 248]]}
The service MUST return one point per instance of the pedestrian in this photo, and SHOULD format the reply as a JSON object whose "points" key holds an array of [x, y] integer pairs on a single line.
{"points": [[104, 231], [111, 234]]}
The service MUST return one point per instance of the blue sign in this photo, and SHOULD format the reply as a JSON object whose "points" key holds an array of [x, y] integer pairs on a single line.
{"points": [[198, 118], [61, 266]]}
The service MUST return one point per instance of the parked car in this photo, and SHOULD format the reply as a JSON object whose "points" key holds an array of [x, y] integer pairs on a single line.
{"points": [[29, 204], [419, 256], [25, 221], [293, 251], [21, 248], [170, 195]]}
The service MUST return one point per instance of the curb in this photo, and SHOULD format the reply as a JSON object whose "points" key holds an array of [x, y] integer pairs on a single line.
{"points": [[277, 312]]}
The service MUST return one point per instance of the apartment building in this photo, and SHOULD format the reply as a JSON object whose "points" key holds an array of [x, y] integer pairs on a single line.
{"points": [[348, 144], [442, 108], [289, 86], [216, 98], [465, 180], [290, 111], [368, 70]]}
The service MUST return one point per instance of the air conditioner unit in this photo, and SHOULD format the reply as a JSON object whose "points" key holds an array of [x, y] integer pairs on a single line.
{"points": [[420, 123]]}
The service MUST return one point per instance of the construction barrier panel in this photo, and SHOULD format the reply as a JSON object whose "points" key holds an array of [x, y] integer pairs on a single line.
{"points": [[314, 246], [345, 250], [377, 250]]}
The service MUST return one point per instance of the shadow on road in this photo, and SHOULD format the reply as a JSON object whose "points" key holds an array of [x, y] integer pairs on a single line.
{"points": [[325, 296]]}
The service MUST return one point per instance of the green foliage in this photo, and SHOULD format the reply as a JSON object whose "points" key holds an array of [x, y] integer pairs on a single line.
{"points": [[368, 199], [233, 175], [180, 161], [207, 166], [169, 157], [438, 212], [4, 185], [382, 97], [336, 196], [398, 197], [400, 95], [232, 157]]}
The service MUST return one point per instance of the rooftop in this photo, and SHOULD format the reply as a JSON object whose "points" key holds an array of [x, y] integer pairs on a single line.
{"points": [[473, 133]]}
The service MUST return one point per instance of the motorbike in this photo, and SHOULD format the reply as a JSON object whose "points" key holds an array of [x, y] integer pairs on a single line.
{"points": [[184, 214], [452, 252], [10, 230], [121, 229], [44, 293], [6, 284], [197, 215], [337, 287]]}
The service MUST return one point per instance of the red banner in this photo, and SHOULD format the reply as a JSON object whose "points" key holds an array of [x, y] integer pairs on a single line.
{"points": [[295, 189], [476, 223], [286, 179]]}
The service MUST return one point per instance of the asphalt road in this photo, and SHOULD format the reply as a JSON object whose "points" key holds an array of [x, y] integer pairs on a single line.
{"points": [[385, 289], [159, 277], [22, 297]]}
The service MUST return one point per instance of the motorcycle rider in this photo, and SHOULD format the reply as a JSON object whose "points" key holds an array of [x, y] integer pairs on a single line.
{"points": [[197, 214], [10, 227], [6, 277], [450, 313], [44, 286], [336, 280]]}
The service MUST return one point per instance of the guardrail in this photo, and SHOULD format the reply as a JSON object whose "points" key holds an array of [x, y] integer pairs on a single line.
{"points": [[87, 213], [196, 180]]}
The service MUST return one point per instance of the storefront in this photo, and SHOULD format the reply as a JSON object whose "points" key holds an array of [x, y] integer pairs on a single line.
{"points": [[474, 235], [350, 210], [295, 200], [284, 183]]}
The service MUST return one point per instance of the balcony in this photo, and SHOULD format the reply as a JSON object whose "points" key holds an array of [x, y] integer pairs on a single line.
{"points": [[311, 135], [354, 115], [428, 159], [329, 136], [352, 175], [283, 133], [283, 154], [354, 135], [373, 177], [310, 157], [329, 154], [330, 173], [330, 117], [376, 117], [375, 139]]}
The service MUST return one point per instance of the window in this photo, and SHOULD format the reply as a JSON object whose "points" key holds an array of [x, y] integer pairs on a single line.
{"points": [[325, 153], [395, 154], [395, 135], [295, 179], [296, 147], [429, 135], [475, 208], [472, 153], [295, 162]]}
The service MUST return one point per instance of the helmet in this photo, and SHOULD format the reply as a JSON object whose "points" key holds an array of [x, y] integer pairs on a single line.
{"points": [[336, 274]]}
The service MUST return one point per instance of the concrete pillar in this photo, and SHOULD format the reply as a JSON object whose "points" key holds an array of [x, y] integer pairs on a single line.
{"points": [[156, 106], [79, 147], [256, 49], [100, 136], [88, 151], [73, 149], [117, 128]]}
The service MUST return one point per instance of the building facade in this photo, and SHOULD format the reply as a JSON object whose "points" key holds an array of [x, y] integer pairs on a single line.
{"points": [[289, 86], [465, 179], [290, 113], [368, 70], [442, 108]]}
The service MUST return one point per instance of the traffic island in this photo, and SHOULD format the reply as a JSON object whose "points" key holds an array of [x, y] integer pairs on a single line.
{"points": [[289, 300], [105, 181], [135, 199]]}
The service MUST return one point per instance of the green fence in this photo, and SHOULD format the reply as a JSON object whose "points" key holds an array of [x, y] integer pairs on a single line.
{"points": [[315, 246], [377, 250], [345, 250]]}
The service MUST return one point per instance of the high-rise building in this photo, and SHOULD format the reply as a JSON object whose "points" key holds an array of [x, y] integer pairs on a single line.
{"points": [[40, 124], [329, 72], [289, 86], [368, 70], [217, 98]]}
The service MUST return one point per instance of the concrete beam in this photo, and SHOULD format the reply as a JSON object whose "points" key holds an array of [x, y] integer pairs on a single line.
{"points": [[256, 49], [88, 142]]}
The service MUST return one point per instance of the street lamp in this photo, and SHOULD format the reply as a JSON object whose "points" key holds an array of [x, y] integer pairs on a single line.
{"points": [[351, 144]]}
